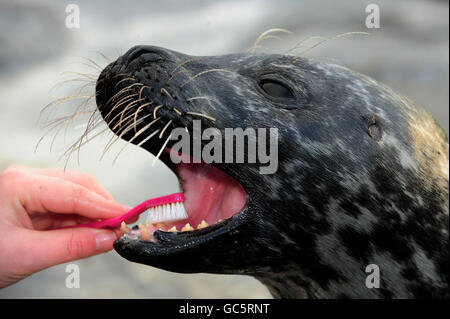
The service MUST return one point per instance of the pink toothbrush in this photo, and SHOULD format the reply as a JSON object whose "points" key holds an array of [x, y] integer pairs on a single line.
{"points": [[135, 211]]}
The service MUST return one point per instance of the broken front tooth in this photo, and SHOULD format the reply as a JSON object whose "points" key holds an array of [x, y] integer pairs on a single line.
{"points": [[144, 232], [173, 229], [187, 227], [124, 228], [203, 224]]}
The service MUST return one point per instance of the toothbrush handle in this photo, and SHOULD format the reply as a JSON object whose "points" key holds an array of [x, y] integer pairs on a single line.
{"points": [[115, 221], [135, 211]]}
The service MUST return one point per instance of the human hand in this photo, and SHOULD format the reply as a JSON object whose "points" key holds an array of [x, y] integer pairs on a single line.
{"points": [[34, 203]]}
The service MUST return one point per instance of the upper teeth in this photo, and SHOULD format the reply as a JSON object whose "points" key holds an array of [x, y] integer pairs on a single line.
{"points": [[167, 213]]}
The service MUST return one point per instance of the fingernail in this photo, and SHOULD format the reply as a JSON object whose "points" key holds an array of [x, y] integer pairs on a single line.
{"points": [[104, 240]]}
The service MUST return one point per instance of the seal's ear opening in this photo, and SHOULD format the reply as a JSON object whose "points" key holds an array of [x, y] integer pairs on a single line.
{"points": [[276, 89]]}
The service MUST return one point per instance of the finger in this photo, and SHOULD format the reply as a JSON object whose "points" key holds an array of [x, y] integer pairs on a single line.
{"points": [[41, 249], [47, 221], [79, 178], [50, 194]]}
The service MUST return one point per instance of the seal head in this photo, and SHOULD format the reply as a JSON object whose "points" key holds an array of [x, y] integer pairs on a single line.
{"points": [[361, 177]]}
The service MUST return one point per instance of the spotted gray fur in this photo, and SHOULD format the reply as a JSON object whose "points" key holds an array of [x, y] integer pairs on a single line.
{"points": [[362, 177]]}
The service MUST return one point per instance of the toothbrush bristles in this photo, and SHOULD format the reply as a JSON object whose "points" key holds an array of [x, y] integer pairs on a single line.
{"points": [[167, 213]]}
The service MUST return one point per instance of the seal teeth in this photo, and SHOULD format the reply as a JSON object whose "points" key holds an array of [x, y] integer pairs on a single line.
{"points": [[173, 229], [124, 229], [187, 227], [145, 235], [203, 224]]}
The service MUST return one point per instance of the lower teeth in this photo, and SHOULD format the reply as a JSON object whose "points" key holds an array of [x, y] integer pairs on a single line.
{"points": [[145, 234], [187, 227], [203, 224]]}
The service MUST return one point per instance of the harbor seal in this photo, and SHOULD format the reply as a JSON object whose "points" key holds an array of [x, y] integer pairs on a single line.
{"points": [[362, 177]]}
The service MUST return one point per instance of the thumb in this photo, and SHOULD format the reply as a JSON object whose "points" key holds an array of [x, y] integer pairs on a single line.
{"points": [[42, 249]]}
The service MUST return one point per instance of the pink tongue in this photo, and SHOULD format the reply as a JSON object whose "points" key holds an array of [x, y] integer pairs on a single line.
{"points": [[210, 193]]}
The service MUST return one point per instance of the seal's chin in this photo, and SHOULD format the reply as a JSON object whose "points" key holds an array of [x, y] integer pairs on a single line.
{"points": [[213, 199]]}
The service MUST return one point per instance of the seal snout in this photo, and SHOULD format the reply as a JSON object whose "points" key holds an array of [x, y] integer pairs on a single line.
{"points": [[142, 96], [137, 89]]}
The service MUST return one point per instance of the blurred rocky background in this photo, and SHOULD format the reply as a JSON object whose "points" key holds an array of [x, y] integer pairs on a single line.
{"points": [[409, 52]]}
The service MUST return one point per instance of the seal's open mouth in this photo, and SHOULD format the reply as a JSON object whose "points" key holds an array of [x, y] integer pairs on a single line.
{"points": [[211, 196], [216, 204]]}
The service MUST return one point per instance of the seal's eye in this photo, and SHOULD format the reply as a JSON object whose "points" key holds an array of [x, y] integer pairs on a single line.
{"points": [[276, 89]]}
